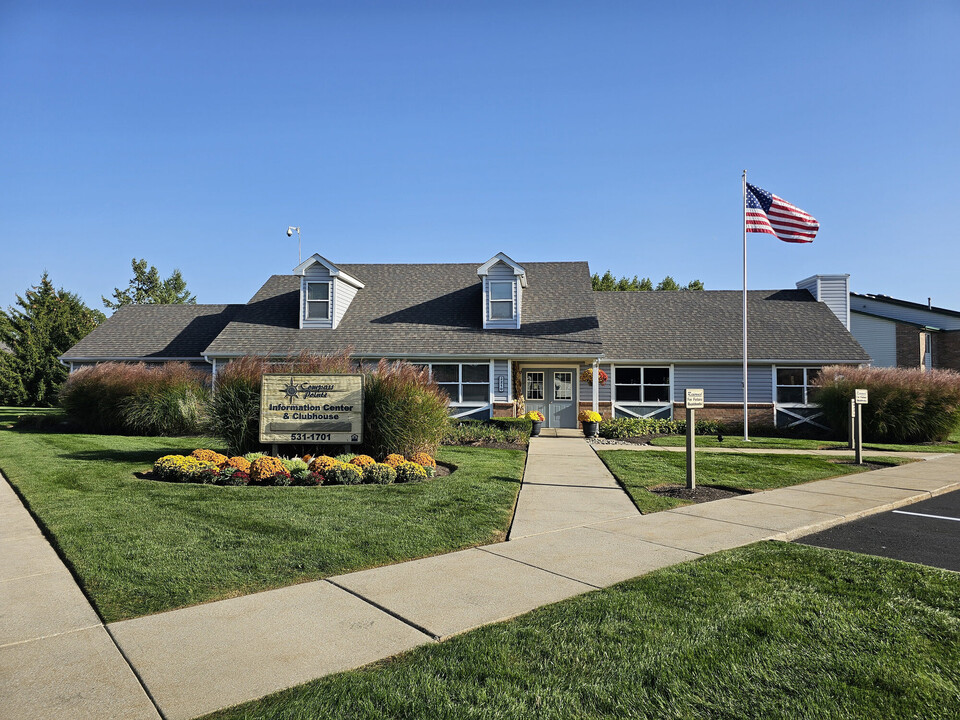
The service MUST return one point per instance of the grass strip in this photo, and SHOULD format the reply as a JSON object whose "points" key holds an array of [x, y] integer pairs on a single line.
{"points": [[639, 471], [140, 546], [760, 443], [771, 630]]}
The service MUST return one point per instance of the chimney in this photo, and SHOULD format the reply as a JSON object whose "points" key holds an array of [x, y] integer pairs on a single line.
{"points": [[929, 303]]}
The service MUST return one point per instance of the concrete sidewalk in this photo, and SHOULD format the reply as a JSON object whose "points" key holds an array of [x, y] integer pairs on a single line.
{"points": [[57, 660], [202, 658]]}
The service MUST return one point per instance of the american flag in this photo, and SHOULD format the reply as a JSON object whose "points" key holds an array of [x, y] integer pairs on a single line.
{"points": [[767, 213]]}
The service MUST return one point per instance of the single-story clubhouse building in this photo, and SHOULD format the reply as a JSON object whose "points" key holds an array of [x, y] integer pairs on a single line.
{"points": [[494, 332]]}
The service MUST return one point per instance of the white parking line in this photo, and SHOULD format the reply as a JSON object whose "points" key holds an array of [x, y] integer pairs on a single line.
{"points": [[937, 517]]}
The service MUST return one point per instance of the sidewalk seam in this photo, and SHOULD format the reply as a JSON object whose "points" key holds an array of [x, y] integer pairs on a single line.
{"points": [[52, 635], [388, 611], [537, 567]]}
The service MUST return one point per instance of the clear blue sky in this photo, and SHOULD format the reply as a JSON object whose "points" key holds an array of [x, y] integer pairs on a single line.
{"points": [[193, 133]]}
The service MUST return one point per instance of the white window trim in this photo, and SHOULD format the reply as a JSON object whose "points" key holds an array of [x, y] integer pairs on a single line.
{"points": [[460, 402], [642, 384], [806, 385], [543, 386], [512, 300], [307, 300]]}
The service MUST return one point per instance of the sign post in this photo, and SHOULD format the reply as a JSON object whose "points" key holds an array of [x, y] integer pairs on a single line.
{"points": [[860, 398], [852, 423], [693, 400], [311, 409]]}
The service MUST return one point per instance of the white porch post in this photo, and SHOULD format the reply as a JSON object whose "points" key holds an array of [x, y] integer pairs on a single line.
{"points": [[596, 385]]}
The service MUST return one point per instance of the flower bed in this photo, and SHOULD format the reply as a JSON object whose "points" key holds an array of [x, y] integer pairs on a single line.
{"points": [[211, 468]]}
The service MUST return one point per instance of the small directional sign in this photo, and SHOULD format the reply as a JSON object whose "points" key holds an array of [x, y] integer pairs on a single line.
{"points": [[860, 396], [693, 398]]}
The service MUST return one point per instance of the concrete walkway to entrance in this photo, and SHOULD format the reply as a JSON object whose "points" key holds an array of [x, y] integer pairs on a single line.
{"points": [[775, 451], [203, 658], [566, 485]]}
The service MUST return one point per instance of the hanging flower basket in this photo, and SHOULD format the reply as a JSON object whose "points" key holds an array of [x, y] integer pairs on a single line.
{"points": [[587, 376]]}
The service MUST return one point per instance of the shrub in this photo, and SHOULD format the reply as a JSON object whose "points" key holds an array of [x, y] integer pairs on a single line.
{"points": [[361, 461], [410, 472], [343, 474], [394, 459], [379, 473], [321, 463], [136, 398], [234, 410], [306, 478], [210, 456], [466, 432], [423, 460], [618, 428], [906, 405], [294, 465], [589, 416], [263, 469], [181, 468], [404, 410], [235, 477], [237, 463]]}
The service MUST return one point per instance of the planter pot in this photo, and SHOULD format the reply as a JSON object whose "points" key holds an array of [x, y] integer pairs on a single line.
{"points": [[537, 424], [590, 429]]}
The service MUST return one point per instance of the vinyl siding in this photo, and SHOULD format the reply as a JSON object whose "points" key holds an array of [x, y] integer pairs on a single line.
{"points": [[586, 389], [501, 272], [833, 291], [877, 336], [917, 316], [501, 368], [724, 383], [344, 294]]}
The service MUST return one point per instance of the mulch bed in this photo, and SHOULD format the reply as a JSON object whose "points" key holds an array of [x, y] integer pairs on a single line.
{"points": [[702, 493]]}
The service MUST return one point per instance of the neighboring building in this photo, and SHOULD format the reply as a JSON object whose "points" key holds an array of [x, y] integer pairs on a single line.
{"points": [[898, 333], [492, 333]]}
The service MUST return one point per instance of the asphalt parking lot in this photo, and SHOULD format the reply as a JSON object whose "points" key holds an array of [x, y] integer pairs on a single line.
{"points": [[927, 532]]}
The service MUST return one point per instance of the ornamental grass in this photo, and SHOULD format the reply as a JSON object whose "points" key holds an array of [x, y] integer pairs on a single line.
{"points": [[906, 405], [137, 399]]}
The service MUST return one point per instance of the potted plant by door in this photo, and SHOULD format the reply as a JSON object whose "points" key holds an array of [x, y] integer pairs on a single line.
{"points": [[537, 419], [590, 421]]}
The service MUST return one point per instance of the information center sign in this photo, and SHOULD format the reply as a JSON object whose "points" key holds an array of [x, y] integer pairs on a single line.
{"points": [[311, 409]]}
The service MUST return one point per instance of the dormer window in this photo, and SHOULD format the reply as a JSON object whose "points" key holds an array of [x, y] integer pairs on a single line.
{"points": [[318, 300], [325, 292], [501, 300], [503, 283]]}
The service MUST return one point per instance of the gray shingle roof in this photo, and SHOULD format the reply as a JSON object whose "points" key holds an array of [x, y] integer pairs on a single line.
{"points": [[426, 310], [708, 325], [154, 331]]}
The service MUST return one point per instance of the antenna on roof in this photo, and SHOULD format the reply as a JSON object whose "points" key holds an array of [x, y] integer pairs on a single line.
{"points": [[290, 230]]}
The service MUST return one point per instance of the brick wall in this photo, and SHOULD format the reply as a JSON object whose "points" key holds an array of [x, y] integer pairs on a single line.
{"points": [[946, 350], [908, 346], [504, 410]]}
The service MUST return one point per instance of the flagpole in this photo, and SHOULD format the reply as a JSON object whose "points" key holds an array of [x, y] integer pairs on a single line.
{"points": [[746, 423]]}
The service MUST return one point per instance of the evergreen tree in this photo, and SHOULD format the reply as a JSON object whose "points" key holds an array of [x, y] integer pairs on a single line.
{"points": [[146, 288], [43, 325], [610, 282]]}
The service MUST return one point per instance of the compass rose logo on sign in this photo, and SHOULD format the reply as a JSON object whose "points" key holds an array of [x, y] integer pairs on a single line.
{"points": [[291, 390]]}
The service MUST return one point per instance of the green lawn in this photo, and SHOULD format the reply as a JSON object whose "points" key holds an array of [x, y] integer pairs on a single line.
{"points": [[10, 414], [710, 441], [140, 546], [640, 470], [768, 631]]}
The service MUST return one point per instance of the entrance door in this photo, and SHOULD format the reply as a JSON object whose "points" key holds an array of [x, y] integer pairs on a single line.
{"points": [[553, 393]]}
